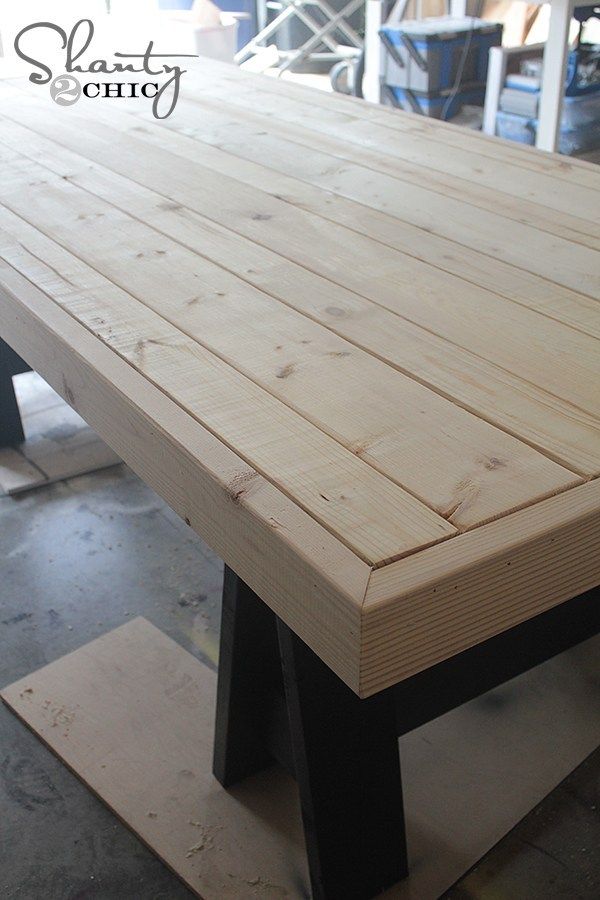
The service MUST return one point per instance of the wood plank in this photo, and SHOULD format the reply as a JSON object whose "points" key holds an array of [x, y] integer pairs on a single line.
{"points": [[277, 150], [17, 473], [570, 169], [475, 472], [441, 254], [523, 196], [308, 577], [438, 603], [413, 155], [478, 321], [568, 264], [273, 439], [248, 367], [516, 284], [131, 714], [562, 431], [552, 256], [252, 837], [567, 169], [574, 223], [480, 265]]}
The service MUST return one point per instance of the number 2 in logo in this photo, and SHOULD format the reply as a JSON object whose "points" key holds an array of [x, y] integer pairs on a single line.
{"points": [[65, 90]]}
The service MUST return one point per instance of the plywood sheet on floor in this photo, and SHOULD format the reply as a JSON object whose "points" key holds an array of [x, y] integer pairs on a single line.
{"points": [[131, 714], [58, 445]]}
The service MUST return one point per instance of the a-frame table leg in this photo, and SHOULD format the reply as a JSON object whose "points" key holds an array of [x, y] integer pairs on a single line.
{"points": [[11, 426], [277, 700], [348, 771], [249, 672]]}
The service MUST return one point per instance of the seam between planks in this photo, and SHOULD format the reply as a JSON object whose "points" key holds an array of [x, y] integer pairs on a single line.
{"points": [[407, 223], [418, 165], [587, 487], [284, 87], [397, 640], [368, 299], [407, 373], [373, 567], [576, 234], [348, 200], [385, 215], [404, 251], [393, 558], [343, 593], [567, 466]]}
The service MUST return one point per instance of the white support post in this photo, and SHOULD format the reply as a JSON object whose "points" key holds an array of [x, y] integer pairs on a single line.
{"points": [[458, 8], [497, 62], [373, 51], [553, 76]]}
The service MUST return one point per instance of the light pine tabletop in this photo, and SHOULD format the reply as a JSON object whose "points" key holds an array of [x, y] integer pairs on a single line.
{"points": [[356, 350]]}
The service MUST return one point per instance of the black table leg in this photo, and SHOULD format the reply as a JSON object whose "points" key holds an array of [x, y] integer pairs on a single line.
{"points": [[249, 672], [277, 700], [342, 750], [348, 772], [11, 427]]}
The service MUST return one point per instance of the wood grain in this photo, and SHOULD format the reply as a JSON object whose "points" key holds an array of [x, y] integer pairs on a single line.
{"points": [[206, 180], [365, 217], [367, 207], [306, 575], [138, 683], [475, 471], [358, 353], [569, 169], [563, 431], [524, 197], [482, 583]]}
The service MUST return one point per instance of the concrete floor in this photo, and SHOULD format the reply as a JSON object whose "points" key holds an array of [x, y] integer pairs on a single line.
{"points": [[553, 854], [79, 558]]}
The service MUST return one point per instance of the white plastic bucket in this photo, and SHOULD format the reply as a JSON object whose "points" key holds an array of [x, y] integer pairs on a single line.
{"points": [[213, 41], [217, 41]]}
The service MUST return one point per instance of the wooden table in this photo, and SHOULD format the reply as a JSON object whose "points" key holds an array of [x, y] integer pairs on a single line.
{"points": [[357, 351]]}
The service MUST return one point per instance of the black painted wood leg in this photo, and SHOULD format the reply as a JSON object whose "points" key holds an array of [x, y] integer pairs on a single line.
{"points": [[277, 700], [249, 672], [11, 426], [348, 772]]}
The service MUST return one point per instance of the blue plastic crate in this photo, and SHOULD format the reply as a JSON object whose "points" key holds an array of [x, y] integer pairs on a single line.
{"points": [[437, 104], [427, 55], [512, 127]]}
